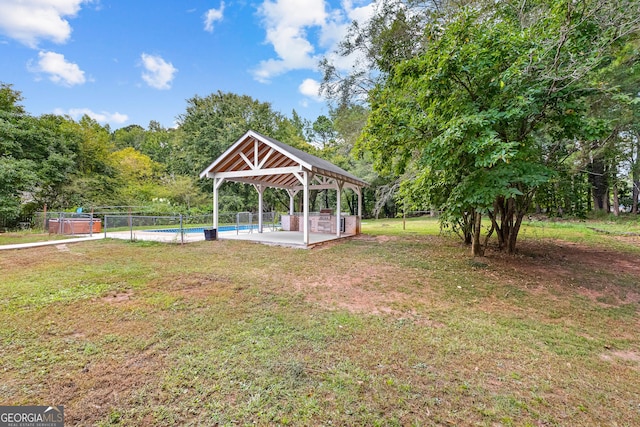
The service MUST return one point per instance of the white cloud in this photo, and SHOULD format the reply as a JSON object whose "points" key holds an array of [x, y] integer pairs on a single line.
{"points": [[363, 13], [60, 71], [213, 15], [311, 89], [159, 73], [103, 117], [288, 24], [30, 21]]}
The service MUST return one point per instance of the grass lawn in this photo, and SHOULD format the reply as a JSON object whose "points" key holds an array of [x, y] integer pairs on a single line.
{"points": [[395, 327]]}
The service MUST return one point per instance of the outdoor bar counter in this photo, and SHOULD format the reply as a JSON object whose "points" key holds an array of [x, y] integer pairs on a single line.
{"points": [[321, 223]]}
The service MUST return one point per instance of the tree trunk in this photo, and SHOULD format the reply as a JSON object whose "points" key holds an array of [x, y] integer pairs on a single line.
{"points": [[635, 177], [513, 237], [476, 246], [599, 185], [616, 200], [635, 173], [464, 227], [351, 203], [511, 212], [313, 196]]}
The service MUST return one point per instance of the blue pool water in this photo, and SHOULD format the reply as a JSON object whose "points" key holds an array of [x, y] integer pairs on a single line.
{"points": [[201, 229]]}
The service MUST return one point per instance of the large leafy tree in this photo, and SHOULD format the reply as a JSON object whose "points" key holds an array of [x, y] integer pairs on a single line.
{"points": [[495, 91], [212, 123], [37, 160], [17, 172]]}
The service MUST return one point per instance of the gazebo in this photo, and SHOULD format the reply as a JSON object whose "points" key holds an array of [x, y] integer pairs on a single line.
{"points": [[265, 162]]}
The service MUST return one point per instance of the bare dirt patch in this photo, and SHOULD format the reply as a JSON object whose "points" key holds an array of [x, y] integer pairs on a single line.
{"points": [[560, 264], [623, 355], [118, 297], [378, 239], [195, 284], [371, 289]]}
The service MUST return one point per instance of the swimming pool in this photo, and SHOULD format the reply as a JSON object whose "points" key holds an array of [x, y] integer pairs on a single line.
{"points": [[201, 229]]}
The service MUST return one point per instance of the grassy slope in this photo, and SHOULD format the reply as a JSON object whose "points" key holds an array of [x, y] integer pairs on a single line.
{"points": [[396, 328]]}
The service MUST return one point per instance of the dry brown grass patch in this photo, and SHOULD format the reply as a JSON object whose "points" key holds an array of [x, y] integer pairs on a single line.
{"points": [[367, 289]]}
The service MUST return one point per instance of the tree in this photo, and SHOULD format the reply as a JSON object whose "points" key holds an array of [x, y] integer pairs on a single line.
{"points": [[137, 174], [493, 93], [129, 136], [16, 177], [211, 124], [323, 134], [374, 47], [37, 158], [348, 122], [10, 99], [94, 148]]}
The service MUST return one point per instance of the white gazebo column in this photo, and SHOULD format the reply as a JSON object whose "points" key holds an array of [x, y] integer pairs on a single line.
{"points": [[217, 182], [305, 208], [292, 206], [359, 218], [260, 190], [338, 205]]}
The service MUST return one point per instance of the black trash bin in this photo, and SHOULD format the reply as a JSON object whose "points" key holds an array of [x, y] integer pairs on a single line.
{"points": [[210, 234]]}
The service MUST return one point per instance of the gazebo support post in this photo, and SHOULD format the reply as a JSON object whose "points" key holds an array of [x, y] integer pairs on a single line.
{"points": [[260, 189], [339, 185], [217, 182], [292, 195], [305, 207], [359, 218]]}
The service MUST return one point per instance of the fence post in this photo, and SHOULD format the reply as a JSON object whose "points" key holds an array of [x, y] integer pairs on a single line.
{"points": [[130, 225], [91, 224], [44, 219], [105, 226]]}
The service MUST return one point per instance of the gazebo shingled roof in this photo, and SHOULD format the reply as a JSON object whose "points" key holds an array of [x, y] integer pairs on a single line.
{"points": [[274, 155]]}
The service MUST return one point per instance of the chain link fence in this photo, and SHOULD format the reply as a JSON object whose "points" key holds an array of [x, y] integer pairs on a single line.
{"points": [[169, 228], [183, 228]]}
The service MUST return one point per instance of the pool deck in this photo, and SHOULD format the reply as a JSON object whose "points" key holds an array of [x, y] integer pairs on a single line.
{"points": [[292, 239]]}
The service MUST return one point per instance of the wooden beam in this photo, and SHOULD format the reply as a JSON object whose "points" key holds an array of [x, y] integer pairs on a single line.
{"points": [[265, 158], [258, 172]]}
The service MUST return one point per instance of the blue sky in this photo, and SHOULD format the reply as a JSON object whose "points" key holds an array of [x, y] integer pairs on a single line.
{"points": [[129, 62]]}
